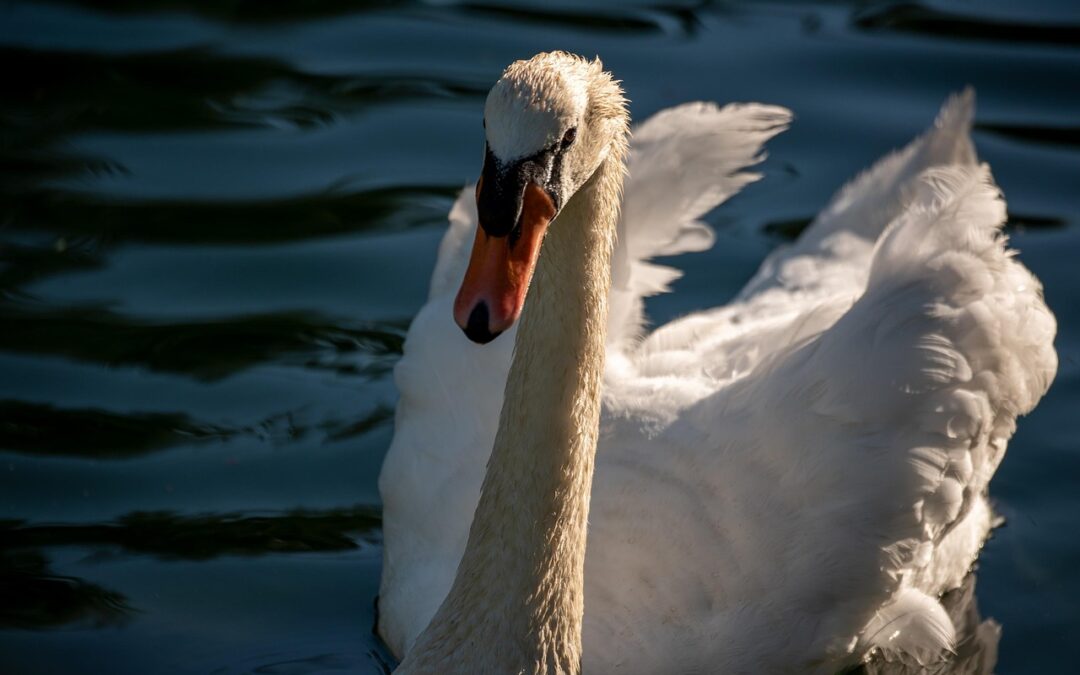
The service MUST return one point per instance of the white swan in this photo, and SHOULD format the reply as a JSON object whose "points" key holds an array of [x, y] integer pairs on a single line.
{"points": [[782, 484]]}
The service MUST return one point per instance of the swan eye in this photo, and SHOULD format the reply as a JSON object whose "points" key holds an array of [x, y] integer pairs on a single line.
{"points": [[568, 138]]}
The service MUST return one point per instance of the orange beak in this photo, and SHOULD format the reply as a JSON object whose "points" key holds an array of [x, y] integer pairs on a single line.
{"points": [[500, 269]]}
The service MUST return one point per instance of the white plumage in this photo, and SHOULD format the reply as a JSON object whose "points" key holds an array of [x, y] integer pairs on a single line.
{"points": [[785, 483]]}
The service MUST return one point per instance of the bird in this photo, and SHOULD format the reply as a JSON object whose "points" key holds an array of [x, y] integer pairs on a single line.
{"points": [[785, 483]]}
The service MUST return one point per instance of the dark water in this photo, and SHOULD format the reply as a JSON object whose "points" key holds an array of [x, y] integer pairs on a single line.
{"points": [[218, 218]]}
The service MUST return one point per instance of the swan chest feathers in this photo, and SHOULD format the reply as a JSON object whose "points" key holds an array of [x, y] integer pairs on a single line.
{"points": [[787, 483]]}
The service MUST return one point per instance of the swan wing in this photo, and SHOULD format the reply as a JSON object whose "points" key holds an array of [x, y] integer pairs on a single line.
{"points": [[683, 162], [799, 289], [905, 405], [862, 208], [833, 493]]}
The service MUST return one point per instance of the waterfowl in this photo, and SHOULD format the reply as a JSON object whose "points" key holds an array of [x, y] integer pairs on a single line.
{"points": [[785, 483]]}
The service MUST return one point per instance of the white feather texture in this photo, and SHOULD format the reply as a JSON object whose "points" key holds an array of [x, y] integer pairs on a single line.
{"points": [[784, 484]]}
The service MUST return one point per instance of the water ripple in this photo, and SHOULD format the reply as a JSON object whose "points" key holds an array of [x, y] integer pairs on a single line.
{"points": [[201, 537], [206, 350], [67, 92], [256, 221], [911, 17]]}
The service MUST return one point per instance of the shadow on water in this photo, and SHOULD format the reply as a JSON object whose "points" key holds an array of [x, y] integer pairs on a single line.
{"points": [[242, 11], [42, 429], [54, 95], [378, 659], [594, 20], [21, 265], [36, 598], [910, 17], [202, 537], [1052, 136], [615, 19], [192, 89], [206, 350], [255, 222], [789, 229]]}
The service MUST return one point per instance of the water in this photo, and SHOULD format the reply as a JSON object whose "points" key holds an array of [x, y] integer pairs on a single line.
{"points": [[218, 219]]}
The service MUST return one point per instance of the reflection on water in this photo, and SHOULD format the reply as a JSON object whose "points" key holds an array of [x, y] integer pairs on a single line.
{"points": [[218, 218], [42, 429], [170, 535], [927, 20], [239, 222], [35, 598], [202, 349]]}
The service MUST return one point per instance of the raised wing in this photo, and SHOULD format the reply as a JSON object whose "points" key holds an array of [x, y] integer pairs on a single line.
{"points": [[683, 162], [800, 289]]}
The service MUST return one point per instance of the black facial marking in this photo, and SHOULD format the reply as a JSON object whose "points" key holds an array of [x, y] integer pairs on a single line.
{"points": [[477, 328], [499, 203]]}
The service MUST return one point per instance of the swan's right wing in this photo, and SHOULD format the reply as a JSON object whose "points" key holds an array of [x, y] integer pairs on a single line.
{"points": [[684, 161]]}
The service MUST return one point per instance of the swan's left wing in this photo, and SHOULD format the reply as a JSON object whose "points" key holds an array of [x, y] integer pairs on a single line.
{"points": [[820, 504], [915, 393], [860, 211]]}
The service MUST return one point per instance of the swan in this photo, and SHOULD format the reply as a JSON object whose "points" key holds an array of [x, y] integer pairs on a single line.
{"points": [[787, 483]]}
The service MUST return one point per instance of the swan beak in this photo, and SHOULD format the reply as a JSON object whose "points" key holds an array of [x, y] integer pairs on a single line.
{"points": [[501, 267]]}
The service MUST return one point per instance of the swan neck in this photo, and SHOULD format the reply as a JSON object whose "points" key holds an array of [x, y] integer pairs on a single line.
{"points": [[517, 601]]}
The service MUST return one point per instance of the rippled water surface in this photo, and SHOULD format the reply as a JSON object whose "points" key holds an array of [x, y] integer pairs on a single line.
{"points": [[218, 218]]}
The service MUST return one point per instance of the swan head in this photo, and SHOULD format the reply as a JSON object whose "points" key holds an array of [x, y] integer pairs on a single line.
{"points": [[549, 121]]}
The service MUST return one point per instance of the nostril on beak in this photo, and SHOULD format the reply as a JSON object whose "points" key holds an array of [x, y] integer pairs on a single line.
{"points": [[477, 329]]}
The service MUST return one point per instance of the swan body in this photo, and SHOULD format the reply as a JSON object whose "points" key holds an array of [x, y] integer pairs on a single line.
{"points": [[786, 483]]}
